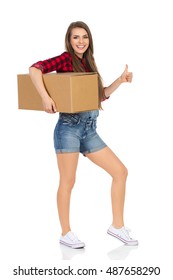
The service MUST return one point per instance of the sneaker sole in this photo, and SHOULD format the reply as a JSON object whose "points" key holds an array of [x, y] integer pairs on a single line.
{"points": [[129, 243], [73, 246]]}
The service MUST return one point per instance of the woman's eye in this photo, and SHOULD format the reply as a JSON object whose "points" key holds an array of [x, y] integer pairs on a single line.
{"points": [[77, 37]]}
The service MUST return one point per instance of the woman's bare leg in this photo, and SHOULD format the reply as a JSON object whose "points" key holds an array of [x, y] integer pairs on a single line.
{"points": [[67, 164], [106, 159]]}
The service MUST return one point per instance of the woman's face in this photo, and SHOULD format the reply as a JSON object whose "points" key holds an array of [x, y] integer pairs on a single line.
{"points": [[79, 41]]}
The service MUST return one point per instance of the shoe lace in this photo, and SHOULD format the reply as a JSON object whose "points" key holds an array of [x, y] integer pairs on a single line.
{"points": [[73, 237], [126, 232]]}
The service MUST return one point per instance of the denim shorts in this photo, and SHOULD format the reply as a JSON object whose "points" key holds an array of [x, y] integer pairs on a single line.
{"points": [[77, 133]]}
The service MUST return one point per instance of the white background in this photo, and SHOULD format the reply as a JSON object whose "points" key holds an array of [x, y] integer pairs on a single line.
{"points": [[136, 123]]}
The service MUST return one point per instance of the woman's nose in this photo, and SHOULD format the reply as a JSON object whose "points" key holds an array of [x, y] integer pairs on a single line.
{"points": [[80, 40]]}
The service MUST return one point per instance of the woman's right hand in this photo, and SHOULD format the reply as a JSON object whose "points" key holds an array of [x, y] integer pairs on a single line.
{"points": [[49, 105], [37, 79]]}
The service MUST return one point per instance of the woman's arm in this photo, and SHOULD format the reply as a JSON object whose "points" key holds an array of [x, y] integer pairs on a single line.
{"points": [[37, 79], [125, 77]]}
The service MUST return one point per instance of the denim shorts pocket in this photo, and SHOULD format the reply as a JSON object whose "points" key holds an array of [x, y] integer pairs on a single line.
{"points": [[70, 120]]}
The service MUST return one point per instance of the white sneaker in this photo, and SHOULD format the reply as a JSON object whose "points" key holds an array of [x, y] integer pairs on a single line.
{"points": [[71, 240], [123, 235]]}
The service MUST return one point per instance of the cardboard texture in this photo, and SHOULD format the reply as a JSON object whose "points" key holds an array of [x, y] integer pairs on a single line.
{"points": [[72, 92]]}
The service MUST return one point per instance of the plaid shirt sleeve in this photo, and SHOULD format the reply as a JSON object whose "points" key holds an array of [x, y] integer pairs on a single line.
{"points": [[105, 98], [61, 63]]}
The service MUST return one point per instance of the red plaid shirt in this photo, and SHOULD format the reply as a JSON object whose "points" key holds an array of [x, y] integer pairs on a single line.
{"points": [[61, 63]]}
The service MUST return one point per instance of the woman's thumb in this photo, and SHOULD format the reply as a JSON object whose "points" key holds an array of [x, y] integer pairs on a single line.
{"points": [[126, 68]]}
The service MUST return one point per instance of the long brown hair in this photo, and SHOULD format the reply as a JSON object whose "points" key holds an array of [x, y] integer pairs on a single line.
{"points": [[88, 55]]}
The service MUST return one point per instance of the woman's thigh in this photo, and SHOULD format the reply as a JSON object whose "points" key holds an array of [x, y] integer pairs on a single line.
{"points": [[67, 164], [106, 159]]}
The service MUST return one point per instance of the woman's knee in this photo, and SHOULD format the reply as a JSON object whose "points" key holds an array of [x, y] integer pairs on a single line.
{"points": [[67, 183], [125, 172], [121, 173]]}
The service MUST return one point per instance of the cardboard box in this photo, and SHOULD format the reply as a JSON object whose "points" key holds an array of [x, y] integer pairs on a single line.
{"points": [[72, 92]]}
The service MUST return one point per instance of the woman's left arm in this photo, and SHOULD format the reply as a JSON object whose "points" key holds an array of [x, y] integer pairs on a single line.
{"points": [[126, 77]]}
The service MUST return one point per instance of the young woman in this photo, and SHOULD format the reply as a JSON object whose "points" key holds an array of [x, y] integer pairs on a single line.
{"points": [[76, 133]]}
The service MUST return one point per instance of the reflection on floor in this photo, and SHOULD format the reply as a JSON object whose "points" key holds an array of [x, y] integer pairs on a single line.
{"points": [[119, 253], [68, 253]]}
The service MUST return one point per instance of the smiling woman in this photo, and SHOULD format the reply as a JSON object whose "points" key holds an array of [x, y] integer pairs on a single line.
{"points": [[76, 133], [79, 41]]}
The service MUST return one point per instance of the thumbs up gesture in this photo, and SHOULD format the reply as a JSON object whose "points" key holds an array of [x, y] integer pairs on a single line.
{"points": [[126, 76]]}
